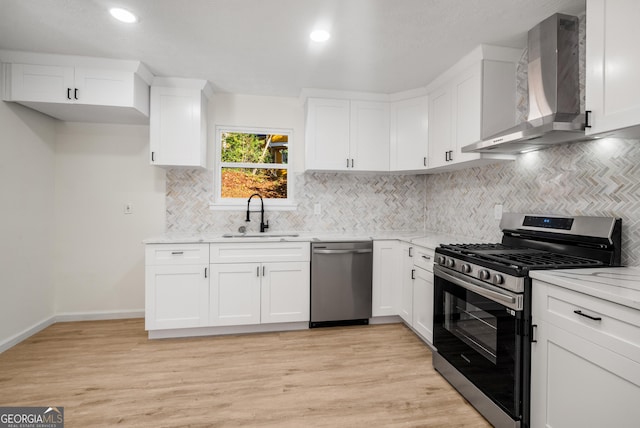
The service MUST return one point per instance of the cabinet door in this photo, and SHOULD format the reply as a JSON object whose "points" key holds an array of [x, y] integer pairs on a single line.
{"points": [[576, 383], [440, 124], [409, 134], [285, 292], [387, 277], [467, 113], [175, 129], [327, 134], [613, 66], [369, 142], [423, 303], [103, 87], [41, 83], [234, 296], [177, 296], [405, 308]]}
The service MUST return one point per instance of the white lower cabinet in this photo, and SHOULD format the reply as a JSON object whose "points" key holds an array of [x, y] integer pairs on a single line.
{"points": [[245, 288], [259, 293], [405, 304], [176, 286], [423, 303], [387, 269], [222, 285], [234, 296], [416, 295], [585, 372]]}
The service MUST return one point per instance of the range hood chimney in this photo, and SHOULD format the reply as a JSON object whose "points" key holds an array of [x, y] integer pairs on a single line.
{"points": [[554, 92]]}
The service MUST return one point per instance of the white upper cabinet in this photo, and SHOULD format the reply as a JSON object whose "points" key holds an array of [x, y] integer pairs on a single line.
{"points": [[473, 99], [347, 135], [408, 135], [178, 122], [77, 89], [613, 66], [369, 143], [327, 134]]}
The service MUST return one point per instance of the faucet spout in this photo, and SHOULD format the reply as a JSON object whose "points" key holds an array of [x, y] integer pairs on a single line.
{"points": [[263, 225]]}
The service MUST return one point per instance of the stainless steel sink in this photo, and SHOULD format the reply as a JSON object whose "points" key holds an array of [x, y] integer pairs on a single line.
{"points": [[260, 235]]}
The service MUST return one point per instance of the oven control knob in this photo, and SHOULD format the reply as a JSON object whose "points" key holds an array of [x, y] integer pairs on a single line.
{"points": [[441, 260], [451, 263], [498, 279], [466, 268], [484, 274]]}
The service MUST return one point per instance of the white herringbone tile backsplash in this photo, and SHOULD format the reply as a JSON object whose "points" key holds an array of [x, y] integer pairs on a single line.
{"points": [[595, 178], [358, 203]]}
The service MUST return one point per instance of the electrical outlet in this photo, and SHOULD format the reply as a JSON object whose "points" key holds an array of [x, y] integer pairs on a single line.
{"points": [[128, 208], [497, 211]]}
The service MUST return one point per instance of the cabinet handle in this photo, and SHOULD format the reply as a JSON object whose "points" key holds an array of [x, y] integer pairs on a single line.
{"points": [[587, 117], [205, 272], [177, 253], [450, 155], [68, 93], [425, 161], [75, 93], [591, 317], [410, 251], [351, 163], [152, 156], [262, 270], [258, 271], [347, 162], [534, 330], [426, 257], [413, 274], [446, 156]]}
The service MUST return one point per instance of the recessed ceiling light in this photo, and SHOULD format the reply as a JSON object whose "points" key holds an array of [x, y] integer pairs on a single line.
{"points": [[319, 36], [123, 15]]}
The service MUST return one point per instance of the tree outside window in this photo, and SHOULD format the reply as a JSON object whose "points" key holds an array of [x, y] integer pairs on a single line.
{"points": [[253, 162]]}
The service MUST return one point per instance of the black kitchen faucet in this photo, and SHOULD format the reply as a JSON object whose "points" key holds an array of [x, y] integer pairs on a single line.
{"points": [[263, 225]]}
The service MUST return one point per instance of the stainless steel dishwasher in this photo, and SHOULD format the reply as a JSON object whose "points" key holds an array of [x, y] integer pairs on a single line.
{"points": [[341, 283]]}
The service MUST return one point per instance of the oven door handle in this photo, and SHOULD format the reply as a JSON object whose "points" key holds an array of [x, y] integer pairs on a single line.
{"points": [[478, 287]]}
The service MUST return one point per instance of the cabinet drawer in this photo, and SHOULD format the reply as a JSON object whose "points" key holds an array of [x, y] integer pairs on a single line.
{"points": [[612, 326], [176, 254], [423, 258], [260, 252]]}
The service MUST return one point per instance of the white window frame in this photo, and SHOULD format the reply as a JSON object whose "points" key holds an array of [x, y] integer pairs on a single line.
{"points": [[220, 203]]}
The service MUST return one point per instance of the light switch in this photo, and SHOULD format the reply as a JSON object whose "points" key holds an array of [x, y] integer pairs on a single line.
{"points": [[317, 209]]}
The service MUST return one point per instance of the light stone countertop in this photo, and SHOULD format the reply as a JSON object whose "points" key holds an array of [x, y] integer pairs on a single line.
{"points": [[616, 284], [425, 239]]}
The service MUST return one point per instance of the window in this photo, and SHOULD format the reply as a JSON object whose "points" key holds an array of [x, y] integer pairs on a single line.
{"points": [[253, 161]]}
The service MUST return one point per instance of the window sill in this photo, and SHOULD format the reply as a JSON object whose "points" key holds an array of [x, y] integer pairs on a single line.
{"points": [[242, 206]]}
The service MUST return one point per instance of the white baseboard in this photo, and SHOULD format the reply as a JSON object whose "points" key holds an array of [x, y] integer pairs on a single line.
{"points": [[66, 317], [14, 340], [98, 315], [234, 329]]}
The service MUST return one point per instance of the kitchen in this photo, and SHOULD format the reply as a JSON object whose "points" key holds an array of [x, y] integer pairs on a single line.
{"points": [[69, 251]]}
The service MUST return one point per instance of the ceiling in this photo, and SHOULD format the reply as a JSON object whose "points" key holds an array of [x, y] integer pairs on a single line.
{"points": [[261, 47]]}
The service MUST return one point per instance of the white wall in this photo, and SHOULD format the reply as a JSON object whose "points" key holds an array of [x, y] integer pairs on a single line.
{"points": [[26, 230], [259, 111], [99, 256]]}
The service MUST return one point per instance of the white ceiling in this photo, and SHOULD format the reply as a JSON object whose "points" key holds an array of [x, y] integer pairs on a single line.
{"points": [[262, 47]]}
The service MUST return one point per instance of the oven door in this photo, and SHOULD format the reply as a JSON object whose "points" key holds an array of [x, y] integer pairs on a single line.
{"points": [[477, 329]]}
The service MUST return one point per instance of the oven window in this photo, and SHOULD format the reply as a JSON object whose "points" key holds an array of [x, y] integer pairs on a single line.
{"points": [[475, 327]]}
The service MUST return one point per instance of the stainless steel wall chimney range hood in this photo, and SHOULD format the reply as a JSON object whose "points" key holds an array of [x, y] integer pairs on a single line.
{"points": [[554, 92]]}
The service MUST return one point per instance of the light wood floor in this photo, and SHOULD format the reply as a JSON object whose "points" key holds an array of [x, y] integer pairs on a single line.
{"points": [[107, 373]]}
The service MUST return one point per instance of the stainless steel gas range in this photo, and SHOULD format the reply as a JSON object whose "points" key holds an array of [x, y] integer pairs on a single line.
{"points": [[482, 304]]}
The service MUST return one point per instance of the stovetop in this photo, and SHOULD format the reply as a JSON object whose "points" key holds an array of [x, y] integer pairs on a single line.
{"points": [[515, 260]]}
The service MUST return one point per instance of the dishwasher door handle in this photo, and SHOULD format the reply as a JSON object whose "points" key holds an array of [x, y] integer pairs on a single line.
{"points": [[364, 251]]}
